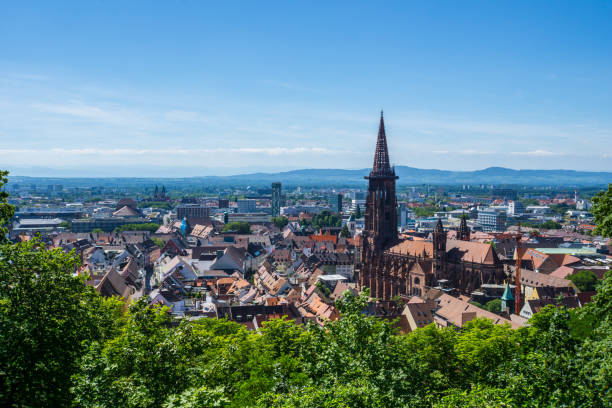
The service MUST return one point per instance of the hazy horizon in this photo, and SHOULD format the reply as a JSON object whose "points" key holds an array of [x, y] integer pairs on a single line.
{"points": [[179, 172]]}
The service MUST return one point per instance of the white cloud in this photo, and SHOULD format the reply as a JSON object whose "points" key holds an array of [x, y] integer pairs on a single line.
{"points": [[464, 152], [78, 110], [538, 153], [271, 151]]}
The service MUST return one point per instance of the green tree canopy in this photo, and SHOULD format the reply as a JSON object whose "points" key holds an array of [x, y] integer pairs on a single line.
{"points": [[493, 306], [148, 226], [602, 211], [585, 280], [6, 210], [162, 205], [345, 233], [426, 211], [550, 225], [240, 227], [45, 315], [159, 242], [326, 219], [281, 222]]}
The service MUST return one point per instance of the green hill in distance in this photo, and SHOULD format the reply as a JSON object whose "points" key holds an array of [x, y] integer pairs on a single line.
{"points": [[341, 177]]}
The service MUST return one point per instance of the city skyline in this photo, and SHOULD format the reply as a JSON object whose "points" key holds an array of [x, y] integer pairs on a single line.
{"points": [[214, 89]]}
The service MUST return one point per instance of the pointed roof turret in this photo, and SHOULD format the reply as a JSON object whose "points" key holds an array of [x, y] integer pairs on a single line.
{"points": [[382, 166], [507, 293], [439, 226]]}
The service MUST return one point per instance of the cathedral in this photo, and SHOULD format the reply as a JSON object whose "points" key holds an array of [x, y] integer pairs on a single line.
{"points": [[392, 266]]}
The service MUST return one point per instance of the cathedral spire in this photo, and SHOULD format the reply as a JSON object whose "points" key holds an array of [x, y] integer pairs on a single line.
{"points": [[464, 232], [381, 166], [439, 226]]}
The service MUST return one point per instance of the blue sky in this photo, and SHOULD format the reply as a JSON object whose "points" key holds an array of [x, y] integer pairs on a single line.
{"points": [[188, 88]]}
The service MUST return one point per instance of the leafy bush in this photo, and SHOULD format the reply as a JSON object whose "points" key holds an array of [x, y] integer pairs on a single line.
{"points": [[149, 226], [239, 227]]}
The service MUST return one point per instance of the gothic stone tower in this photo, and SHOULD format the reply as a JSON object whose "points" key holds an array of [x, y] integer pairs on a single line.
{"points": [[380, 215], [439, 247], [381, 206]]}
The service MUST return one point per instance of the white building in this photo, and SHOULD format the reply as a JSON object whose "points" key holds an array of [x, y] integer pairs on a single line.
{"points": [[584, 205], [516, 208]]}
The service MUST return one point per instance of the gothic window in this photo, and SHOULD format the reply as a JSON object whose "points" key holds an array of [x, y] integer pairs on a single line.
{"points": [[417, 281]]}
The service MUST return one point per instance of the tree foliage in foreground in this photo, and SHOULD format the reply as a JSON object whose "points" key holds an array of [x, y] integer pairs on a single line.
{"points": [[602, 211], [6, 210], [45, 314], [62, 345]]}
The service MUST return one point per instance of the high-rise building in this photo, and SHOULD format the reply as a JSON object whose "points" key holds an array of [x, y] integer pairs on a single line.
{"points": [[336, 202], [276, 199]]}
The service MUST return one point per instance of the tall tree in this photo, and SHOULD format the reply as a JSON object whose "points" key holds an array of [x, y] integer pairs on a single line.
{"points": [[602, 210], [358, 212], [45, 315], [585, 280], [6, 210]]}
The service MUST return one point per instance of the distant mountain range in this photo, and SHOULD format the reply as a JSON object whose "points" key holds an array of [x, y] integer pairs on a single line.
{"points": [[339, 177], [413, 176]]}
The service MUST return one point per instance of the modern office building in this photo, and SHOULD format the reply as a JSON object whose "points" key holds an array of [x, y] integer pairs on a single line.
{"points": [[336, 202], [106, 224], [492, 220], [276, 199], [247, 206], [50, 213], [191, 210]]}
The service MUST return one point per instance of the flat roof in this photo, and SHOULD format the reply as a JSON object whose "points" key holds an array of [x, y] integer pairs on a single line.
{"points": [[571, 251], [332, 277], [40, 221]]}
